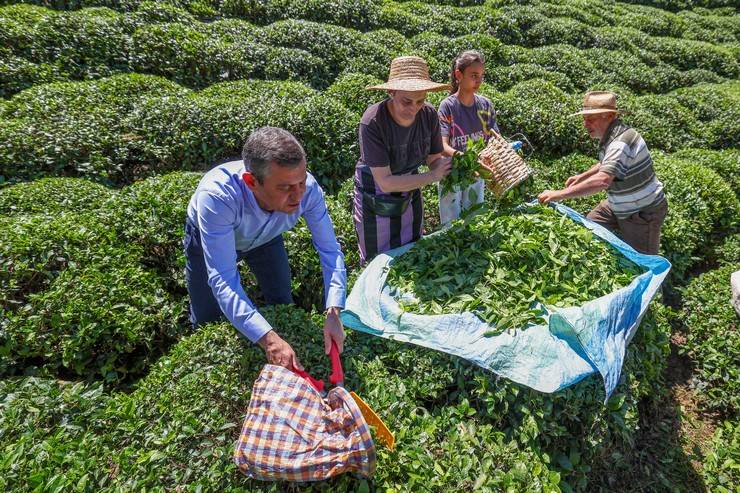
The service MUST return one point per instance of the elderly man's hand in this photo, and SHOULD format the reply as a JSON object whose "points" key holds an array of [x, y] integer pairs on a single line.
{"points": [[547, 196], [333, 330], [572, 180], [279, 352]]}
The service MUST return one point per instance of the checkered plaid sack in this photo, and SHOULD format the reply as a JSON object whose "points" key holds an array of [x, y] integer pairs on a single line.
{"points": [[292, 433]]}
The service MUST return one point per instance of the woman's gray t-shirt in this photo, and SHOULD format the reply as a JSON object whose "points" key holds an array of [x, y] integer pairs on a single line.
{"points": [[460, 123]]}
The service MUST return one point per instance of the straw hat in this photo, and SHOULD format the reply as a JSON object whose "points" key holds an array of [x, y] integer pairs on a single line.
{"points": [[410, 73], [598, 102]]}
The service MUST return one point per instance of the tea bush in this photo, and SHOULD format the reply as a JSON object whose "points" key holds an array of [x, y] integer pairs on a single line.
{"points": [[36, 248], [49, 435], [724, 162], [728, 252], [349, 90], [700, 203], [151, 214], [722, 463], [105, 318], [17, 74], [713, 340], [75, 128], [53, 196]]}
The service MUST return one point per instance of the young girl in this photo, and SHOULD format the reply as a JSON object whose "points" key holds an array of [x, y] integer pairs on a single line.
{"points": [[464, 115]]}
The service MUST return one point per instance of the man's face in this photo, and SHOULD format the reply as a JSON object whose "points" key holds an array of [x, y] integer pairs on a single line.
{"points": [[282, 189], [408, 103], [598, 123]]}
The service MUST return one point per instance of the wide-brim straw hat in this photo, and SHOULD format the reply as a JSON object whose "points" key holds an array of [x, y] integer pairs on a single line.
{"points": [[410, 73], [596, 102]]}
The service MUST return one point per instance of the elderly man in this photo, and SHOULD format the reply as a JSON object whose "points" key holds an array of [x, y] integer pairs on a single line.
{"points": [[636, 205], [239, 211]]}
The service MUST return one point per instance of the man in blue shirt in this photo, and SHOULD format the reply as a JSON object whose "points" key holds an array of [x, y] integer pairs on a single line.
{"points": [[239, 211]]}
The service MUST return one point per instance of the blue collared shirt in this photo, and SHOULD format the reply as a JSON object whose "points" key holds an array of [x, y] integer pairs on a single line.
{"points": [[230, 220]]}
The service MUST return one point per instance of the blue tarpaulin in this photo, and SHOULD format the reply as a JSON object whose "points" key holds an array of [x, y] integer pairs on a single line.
{"points": [[575, 343]]}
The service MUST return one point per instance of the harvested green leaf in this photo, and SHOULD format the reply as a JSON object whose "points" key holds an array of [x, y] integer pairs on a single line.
{"points": [[499, 264], [464, 167]]}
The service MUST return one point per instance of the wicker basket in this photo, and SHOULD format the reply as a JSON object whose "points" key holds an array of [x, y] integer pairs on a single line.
{"points": [[507, 168]]}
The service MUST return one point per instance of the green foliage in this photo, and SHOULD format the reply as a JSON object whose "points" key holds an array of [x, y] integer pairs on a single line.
{"points": [[721, 466], [716, 108], [725, 162], [349, 90], [52, 196], [713, 339], [700, 203], [18, 74], [540, 110], [37, 248], [204, 127], [89, 43], [728, 252], [104, 318], [48, 435], [513, 259], [200, 56], [464, 167], [151, 214], [179, 426], [76, 128]]}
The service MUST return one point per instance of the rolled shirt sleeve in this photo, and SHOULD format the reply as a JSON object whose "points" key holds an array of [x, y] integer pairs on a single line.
{"points": [[326, 244], [613, 163], [216, 224]]}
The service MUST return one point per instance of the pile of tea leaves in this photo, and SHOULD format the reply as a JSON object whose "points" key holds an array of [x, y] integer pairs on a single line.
{"points": [[498, 263]]}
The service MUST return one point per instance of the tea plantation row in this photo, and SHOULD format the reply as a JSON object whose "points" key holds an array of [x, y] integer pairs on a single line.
{"points": [[41, 45]]}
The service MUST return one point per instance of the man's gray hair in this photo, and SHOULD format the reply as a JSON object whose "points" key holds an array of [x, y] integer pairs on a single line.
{"points": [[271, 144]]}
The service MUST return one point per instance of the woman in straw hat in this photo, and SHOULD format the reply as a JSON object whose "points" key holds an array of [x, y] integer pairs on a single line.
{"points": [[397, 136], [635, 205]]}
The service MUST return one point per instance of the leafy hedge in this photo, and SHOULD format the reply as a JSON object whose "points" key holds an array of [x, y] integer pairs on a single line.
{"points": [[721, 465], [456, 426], [713, 339], [725, 162], [701, 204], [164, 39], [53, 196], [76, 128], [164, 127]]}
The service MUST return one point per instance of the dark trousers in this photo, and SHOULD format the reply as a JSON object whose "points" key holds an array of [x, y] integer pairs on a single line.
{"points": [[641, 230], [268, 262]]}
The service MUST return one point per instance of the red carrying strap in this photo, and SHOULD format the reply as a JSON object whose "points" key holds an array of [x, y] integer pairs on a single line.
{"points": [[337, 374], [317, 384]]}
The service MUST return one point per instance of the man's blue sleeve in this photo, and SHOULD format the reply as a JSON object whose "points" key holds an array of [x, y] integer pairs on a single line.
{"points": [[216, 218], [327, 246]]}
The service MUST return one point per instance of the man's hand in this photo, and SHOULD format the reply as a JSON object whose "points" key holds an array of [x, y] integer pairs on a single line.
{"points": [[548, 195], [279, 352], [573, 180], [333, 330]]}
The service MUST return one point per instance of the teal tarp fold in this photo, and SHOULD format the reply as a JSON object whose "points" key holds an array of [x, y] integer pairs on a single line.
{"points": [[574, 343]]}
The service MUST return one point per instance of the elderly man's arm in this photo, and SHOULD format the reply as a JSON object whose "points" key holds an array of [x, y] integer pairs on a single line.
{"points": [[215, 222], [580, 177], [332, 265], [593, 184]]}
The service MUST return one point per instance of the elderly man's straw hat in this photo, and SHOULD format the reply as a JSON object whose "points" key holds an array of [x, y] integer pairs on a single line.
{"points": [[598, 102], [410, 73]]}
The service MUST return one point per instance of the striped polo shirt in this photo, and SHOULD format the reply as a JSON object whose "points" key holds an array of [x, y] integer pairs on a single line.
{"points": [[624, 155]]}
